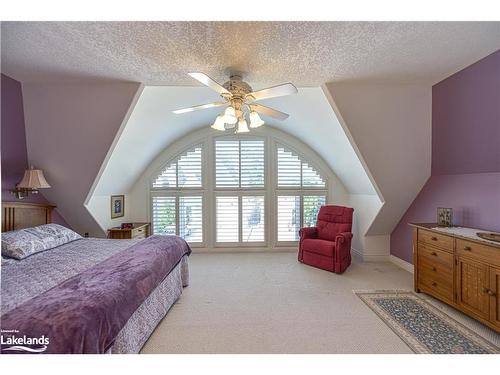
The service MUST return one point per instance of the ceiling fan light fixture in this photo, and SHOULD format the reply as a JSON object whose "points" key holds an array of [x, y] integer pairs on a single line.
{"points": [[255, 120], [238, 96], [219, 123], [242, 126]]}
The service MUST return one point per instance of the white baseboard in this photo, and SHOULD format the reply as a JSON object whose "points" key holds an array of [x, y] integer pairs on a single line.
{"points": [[401, 263], [369, 257], [357, 253]]}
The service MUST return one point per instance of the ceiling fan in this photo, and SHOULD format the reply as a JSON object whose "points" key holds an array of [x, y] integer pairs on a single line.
{"points": [[240, 100]]}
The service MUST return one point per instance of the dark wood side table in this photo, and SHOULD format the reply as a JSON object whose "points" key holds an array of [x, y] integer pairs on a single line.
{"points": [[138, 231]]}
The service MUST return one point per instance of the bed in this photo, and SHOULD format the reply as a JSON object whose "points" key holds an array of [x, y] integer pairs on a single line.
{"points": [[89, 295]]}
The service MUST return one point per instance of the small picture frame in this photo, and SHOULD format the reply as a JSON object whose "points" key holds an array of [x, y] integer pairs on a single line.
{"points": [[444, 217], [117, 206]]}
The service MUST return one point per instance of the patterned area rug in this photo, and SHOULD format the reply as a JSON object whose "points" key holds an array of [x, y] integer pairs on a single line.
{"points": [[423, 327]]}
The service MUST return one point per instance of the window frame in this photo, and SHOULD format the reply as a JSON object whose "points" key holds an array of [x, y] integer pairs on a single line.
{"points": [[176, 195], [240, 219], [273, 138], [240, 138], [302, 159], [175, 159]]}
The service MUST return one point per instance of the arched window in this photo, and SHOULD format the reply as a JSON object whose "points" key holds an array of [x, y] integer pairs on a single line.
{"points": [[301, 192], [242, 190], [177, 197]]}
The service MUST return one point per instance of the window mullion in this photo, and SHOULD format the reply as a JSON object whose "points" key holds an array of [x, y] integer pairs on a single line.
{"points": [[302, 210], [240, 219], [239, 164], [177, 214]]}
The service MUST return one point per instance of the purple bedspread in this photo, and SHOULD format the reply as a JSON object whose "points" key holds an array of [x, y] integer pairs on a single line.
{"points": [[85, 313]]}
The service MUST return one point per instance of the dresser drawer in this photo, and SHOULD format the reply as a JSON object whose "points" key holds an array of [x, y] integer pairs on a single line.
{"points": [[434, 255], [141, 231], [435, 239], [434, 284], [485, 253], [443, 272]]}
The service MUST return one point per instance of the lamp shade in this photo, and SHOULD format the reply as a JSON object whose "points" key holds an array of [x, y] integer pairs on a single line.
{"points": [[33, 179], [230, 116], [219, 123], [242, 126], [255, 120]]}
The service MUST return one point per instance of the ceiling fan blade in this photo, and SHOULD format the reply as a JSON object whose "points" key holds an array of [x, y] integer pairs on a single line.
{"points": [[207, 81], [198, 107], [273, 92], [266, 111]]}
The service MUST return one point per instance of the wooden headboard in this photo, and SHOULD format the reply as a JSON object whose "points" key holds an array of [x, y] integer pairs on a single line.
{"points": [[19, 215]]}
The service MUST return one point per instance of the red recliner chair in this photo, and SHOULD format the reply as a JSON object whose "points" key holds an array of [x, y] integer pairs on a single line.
{"points": [[328, 244]]}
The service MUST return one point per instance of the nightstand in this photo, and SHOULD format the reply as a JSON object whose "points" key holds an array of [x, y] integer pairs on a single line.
{"points": [[138, 231]]}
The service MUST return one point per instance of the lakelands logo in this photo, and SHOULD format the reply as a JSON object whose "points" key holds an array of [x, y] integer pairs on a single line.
{"points": [[12, 342]]}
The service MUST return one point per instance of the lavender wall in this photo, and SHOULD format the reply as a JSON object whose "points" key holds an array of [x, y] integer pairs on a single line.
{"points": [[13, 141], [465, 154]]}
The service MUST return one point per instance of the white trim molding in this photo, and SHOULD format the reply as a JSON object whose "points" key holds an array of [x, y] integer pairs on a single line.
{"points": [[401, 263]]}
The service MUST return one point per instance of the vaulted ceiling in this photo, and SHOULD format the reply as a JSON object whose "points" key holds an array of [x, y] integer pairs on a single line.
{"points": [[305, 53]]}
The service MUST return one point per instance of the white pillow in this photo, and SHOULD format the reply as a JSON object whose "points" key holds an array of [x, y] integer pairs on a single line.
{"points": [[22, 243]]}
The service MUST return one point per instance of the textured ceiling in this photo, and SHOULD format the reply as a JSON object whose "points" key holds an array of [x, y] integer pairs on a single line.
{"points": [[267, 53]]}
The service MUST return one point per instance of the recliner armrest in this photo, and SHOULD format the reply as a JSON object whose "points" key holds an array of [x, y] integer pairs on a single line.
{"points": [[344, 236], [309, 232]]}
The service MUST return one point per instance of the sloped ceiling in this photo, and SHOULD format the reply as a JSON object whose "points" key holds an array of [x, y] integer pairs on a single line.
{"points": [[152, 127], [306, 53]]}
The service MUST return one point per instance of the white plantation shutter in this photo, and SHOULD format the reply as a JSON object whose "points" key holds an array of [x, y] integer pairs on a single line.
{"points": [[167, 177], [227, 163], [310, 177], [252, 163], [252, 220], [189, 169], [288, 217], [311, 205], [227, 218], [183, 172], [294, 172], [239, 163], [288, 168], [237, 194], [163, 215], [191, 218]]}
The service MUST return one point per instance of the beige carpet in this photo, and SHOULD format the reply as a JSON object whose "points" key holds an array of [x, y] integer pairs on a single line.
{"points": [[270, 303]]}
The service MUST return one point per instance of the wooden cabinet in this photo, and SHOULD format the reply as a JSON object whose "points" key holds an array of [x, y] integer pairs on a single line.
{"points": [[472, 286], [138, 231], [462, 272], [494, 290]]}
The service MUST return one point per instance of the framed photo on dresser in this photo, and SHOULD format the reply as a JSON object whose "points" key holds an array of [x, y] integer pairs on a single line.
{"points": [[445, 217]]}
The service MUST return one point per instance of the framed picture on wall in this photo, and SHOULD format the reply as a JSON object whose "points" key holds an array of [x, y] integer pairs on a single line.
{"points": [[444, 217], [117, 206]]}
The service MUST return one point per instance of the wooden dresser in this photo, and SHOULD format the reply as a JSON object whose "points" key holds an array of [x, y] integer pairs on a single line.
{"points": [[138, 231], [461, 271]]}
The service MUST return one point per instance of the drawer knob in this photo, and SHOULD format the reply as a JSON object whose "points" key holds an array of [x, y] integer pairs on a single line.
{"points": [[434, 284], [434, 238], [491, 293], [434, 269], [434, 253], [484, 290], [467, 248]]}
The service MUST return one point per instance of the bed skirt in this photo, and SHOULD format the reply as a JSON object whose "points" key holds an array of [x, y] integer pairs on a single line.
{"points": [[144, 320]]}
